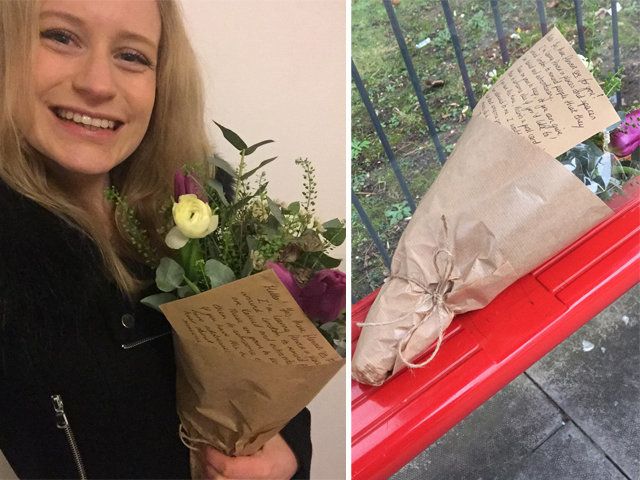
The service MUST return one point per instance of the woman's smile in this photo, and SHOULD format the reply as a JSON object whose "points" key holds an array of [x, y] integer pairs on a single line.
{"points": [[94, 82]]}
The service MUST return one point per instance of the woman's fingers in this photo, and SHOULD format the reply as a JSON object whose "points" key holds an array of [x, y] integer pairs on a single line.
{"points": [[274, 461]]}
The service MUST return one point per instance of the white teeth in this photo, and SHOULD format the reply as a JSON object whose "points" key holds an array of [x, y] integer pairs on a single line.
{"points": [[85, 119]]}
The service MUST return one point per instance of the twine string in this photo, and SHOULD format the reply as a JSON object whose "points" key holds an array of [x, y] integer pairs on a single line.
{"points": [[187, 440], [435, 297]]}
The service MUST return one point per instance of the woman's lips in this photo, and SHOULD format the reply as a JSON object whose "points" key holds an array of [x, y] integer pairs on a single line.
{"points": [[86, 131]]}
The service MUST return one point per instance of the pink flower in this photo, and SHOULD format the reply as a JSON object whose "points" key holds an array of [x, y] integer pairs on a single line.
{"points": [[324, 296], [626, 138], [286, 278], [186, 184]]}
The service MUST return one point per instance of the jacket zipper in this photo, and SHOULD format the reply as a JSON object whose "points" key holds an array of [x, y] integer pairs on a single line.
{"points": [[127, 346], [63, 424]]}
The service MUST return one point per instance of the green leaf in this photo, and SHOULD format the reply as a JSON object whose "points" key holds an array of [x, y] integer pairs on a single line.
{"points": [[253, 148], [247, 268], [262, 164], [335, 236], [329, 262], [318, 258], [169, 275], [154, 301], [294, 208], [185, 291], [333, 223], [232, 137], [217, 187], [252, 243], [218, 273], [275, 210]]}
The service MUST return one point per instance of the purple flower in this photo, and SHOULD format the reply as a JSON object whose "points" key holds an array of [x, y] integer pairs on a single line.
{"points": [[324, 296], [185, 184], [626, 138], [286, 277]]}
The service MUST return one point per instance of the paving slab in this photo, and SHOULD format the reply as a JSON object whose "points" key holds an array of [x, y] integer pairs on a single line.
{"points": [[493, 441], [594, 377], [568, 455]]}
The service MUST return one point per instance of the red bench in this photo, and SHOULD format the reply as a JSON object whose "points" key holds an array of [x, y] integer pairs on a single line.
{"points": [[485, 349]]}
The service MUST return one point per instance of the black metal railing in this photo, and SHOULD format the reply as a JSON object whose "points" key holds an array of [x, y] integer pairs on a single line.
{"points": [[468, 90]]}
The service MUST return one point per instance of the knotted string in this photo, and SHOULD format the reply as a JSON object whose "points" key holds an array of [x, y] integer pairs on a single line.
{"points": [[187, 440], [434, 296]]}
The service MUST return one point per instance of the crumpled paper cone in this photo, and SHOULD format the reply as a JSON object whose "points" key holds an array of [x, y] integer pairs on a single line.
{"points": [[501, 206], [508, 206], [247, 361]]}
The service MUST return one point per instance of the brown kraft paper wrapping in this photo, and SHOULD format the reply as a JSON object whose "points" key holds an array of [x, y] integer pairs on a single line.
{"points": [[247, 361], [500, 206]]}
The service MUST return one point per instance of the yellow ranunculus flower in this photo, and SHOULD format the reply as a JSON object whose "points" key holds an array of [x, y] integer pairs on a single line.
{"points": [[193, 218]]}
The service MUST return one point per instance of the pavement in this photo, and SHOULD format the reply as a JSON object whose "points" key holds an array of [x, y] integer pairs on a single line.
{"points": [[575, 414]]}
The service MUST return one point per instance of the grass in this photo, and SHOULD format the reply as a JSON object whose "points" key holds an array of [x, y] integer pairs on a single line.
{"points": [[378, 59]]}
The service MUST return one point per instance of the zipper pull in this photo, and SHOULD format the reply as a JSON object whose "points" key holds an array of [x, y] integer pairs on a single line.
{"points": [[58, 407]]}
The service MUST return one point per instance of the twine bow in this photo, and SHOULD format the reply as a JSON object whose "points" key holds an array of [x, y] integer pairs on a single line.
{"points": [[434, 297]]}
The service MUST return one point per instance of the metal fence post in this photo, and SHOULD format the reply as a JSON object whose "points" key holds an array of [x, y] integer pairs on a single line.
{"points": [[414, 79]]}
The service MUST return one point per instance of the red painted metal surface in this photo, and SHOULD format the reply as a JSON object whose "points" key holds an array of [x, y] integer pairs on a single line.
{"points": [[486, 349]]}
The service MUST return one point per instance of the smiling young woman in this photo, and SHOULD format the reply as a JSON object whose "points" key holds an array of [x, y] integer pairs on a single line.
{"points": [[94, 94]]}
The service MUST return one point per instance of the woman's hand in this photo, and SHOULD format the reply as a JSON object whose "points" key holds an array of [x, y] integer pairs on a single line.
{"points": [[274, 461]]}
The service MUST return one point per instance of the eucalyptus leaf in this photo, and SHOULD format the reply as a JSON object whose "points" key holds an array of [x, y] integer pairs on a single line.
{"points": [[335, 236], [333, 223], [169, 275], [294, 208], [218, 273], [329, 262], [185, 291], [585, 157], [252, 243], [275, 210], [593, 186], [232, 137], [604, 168], [254, 147], [217, 187], [254, 170], [154, 301], [318, 258], [247, 268]]}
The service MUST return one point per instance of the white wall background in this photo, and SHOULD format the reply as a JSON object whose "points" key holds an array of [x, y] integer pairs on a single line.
{"points": [[278, 69]]}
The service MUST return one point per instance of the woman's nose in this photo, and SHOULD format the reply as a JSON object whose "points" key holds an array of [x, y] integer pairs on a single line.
{"points": [[94, 78]]}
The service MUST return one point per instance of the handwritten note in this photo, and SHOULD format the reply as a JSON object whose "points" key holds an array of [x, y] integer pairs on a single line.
{"points": [[255, 318], [549, 97]]}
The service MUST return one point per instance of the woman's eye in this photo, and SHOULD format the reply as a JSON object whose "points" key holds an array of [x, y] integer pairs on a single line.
{"points": [[135, 57], [59, 36]]}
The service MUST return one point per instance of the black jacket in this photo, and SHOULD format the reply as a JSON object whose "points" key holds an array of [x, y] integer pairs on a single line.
{"points": [[65, 330]]}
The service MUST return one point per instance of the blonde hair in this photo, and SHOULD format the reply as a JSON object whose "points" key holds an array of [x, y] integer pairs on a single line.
{"points": [[176, 135]]}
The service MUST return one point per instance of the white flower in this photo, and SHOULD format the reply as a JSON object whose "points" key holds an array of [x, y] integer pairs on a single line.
{"points": [[193, 219], [586, 62]]}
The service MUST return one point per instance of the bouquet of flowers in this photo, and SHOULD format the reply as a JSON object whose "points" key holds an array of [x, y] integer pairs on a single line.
{"points": [[255, 302], [606, 161], [223, 236], [501, 205]]}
